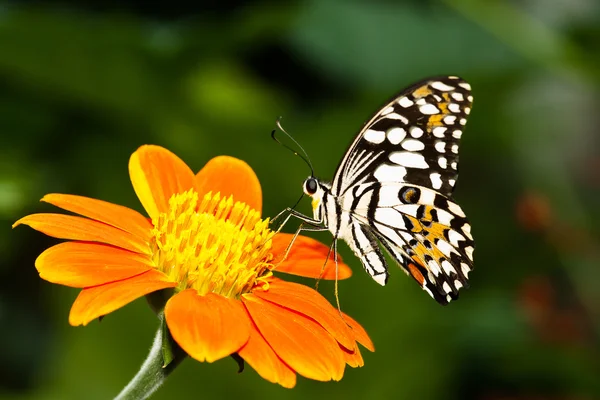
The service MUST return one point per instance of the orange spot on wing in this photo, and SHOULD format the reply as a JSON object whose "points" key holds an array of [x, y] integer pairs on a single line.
{"points": [[414, 271], [422, 91], [436, 119]]}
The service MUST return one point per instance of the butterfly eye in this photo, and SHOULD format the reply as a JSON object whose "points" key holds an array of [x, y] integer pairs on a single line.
{"points": [[310, 186]]}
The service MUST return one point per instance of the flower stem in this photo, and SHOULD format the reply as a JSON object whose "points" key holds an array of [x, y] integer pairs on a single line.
{"points": [[153, 371]]}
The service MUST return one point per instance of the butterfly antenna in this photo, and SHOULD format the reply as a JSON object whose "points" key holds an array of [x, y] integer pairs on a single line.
{"points": [[303, 156]]}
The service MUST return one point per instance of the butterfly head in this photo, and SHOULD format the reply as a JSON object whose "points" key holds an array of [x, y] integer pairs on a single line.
{"points": [[315, 189]]}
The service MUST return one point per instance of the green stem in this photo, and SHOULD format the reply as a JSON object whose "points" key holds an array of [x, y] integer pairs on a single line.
{"points": [[153, 372]]}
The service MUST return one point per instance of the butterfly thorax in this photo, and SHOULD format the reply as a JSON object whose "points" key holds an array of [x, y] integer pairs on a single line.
{"points": [[324, 203]]}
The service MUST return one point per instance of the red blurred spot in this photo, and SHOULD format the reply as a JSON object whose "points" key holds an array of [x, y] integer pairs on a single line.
{"points": [[534, 212], [551, 321]]}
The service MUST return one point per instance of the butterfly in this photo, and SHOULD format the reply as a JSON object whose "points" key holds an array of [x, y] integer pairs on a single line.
{"points": [[394, 187]]}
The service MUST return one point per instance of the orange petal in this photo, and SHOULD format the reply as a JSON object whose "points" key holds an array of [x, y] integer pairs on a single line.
{"points": [[306, 258], [353, 358], [112, 214], [80, 264], [77, 228], [97, 301], [260, 356], [300, 342], [207, 327], [156, 175], [309, 302], [230, 176], [360, 334]]}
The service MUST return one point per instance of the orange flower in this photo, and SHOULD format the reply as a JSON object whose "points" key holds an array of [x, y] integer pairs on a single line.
{"points": [[207, 246]]}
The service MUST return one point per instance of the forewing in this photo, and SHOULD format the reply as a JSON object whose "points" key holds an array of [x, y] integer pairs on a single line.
{"points": [[426, 232], [414, 139]]}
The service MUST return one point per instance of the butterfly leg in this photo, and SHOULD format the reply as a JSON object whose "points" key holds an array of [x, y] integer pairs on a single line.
{"points": [[335, 258], [300, 229], [275, 218], [325, 264], [304, 218]]}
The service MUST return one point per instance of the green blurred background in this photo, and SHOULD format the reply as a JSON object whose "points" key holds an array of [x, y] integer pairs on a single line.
{"points": [[84, 83]]}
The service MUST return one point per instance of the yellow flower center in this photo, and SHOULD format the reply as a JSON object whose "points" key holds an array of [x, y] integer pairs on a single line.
{"points": [[215, 246]]}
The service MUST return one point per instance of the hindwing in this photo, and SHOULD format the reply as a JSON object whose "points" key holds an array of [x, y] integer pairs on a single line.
{"points": [[424, 231]]}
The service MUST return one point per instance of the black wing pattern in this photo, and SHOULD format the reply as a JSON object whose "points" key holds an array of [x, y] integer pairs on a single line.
{"points": [[414, 138]]}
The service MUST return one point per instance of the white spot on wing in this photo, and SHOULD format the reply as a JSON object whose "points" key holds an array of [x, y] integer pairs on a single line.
{"points": [[455, 209], [457, 134], [457, 96], [398, 117], [447, 250], [458, 284], [441, 86], [470, 98], [454, 148], [390, 173], [466, 228], [415, 132], [443, 162], [438, 131], [440, 146], [444, 217], [453, 165], [434, 267], [465, 85], [405, 102], [453, 107], [436, 181], [413, 145], [379, 279], [427, 196], [449, 119], [463, 121], [469, 251], [446, 287], [427, 290], [429, 109], [396, 135], [406, 159], [387, 110], [465, 269], [452, 181], [454, 237], [374, 136], [467, 110]]}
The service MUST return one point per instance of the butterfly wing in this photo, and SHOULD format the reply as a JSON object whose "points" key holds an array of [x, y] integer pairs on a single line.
{"points": [[426, 232], [414, 138], [397, 178]]}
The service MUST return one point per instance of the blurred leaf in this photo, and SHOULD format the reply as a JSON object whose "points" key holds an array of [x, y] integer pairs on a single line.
{"points": [[531, 38], [93, 59], [381, 44]]}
